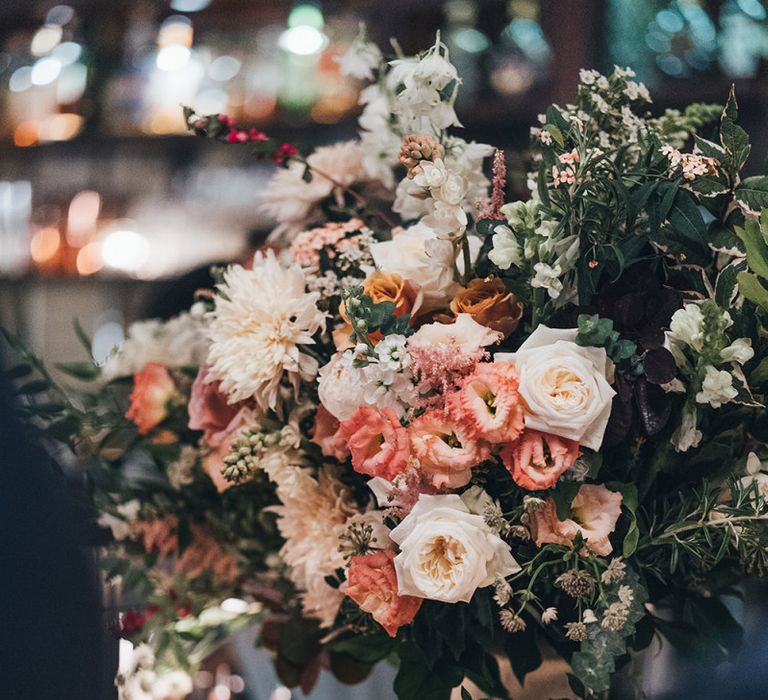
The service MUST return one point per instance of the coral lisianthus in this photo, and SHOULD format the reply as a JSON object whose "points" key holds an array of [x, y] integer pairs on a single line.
{"points": [[325, 434], [373, 586], [537, 459], [262, 318], [377, 441], [446, 449], [153, 388], [594, 512], [489, 404]]}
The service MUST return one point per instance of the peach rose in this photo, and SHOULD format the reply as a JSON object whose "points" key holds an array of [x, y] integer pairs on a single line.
{"points": [[205, 553], [446, 449], [208, 408], [594, 512], [377, 441], [325, 434], [388, 286], [488, 403], [373, 586], [490, 303], [537, 459], [153, 388]]}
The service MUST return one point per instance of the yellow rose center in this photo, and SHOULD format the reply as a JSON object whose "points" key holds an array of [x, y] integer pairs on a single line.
{"points": [[566, 388], [440, 555]]}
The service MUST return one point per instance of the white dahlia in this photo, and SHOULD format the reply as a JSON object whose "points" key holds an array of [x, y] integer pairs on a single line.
{"points": [[262, 318]]}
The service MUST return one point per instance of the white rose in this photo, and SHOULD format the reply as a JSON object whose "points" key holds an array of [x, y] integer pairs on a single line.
{"points": [[564, 385], [339, 387], [740, 350], [717, 388], [418, 255], [446, 552]]}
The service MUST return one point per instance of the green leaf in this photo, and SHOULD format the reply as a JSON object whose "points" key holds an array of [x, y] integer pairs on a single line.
{"points": [[752, 289], [684, 216], [556, 134], [629, 501], [709, 148], [725, 286], [19, 371], [734, 139], [757, 250], [759, 375], [465, 694], [563, 496], [86, 371], [83, 337], [37, 386], [369, 648], [752, 192], [709, 185]]}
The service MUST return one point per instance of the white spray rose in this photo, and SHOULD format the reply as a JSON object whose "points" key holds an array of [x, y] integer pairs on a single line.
{"points": [[339, 388], [564, 385], [447, 552]]}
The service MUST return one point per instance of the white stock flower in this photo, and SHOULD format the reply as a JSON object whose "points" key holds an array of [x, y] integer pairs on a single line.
{"points": [[548, 277], [506, 250], [121, 526], [262, 318], [446, 552], [361, 58], [717, 387], [687, 435], [418, 255], [740, 351], [564, 385], [686, 326]]}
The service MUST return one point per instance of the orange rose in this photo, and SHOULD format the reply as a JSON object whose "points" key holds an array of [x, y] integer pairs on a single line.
{"points": [[490, 303], [386, 286], [153, 388], [373, 586]]}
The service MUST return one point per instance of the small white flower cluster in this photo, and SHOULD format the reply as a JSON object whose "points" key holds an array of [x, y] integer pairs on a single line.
{"points": [[179, 342], [446, 191], [138, 679], [535, 246], [388, 382], [361, 58], [685, 339]]}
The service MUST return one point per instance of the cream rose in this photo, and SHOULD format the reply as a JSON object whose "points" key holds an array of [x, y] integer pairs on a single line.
{"points": [[564, 385], [418, 255], [447, 552]]}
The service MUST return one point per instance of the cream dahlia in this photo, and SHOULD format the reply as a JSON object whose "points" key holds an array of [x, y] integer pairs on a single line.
{"points": [[262, 318]]}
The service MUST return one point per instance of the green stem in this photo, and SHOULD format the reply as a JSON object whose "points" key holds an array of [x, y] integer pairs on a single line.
{"points": [[467, 259]]}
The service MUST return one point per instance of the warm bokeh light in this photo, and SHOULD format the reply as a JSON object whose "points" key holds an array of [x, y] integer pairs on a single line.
{"points": [[45, 244], [60, 127], [82, 217], [126, 250], [89, 259], [26, 133]]}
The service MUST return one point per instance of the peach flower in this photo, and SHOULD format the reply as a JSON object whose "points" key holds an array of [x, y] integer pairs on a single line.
{"points": [[205, 553], [153, 388], [594, 512], [220, 445], [325, 434], [488, 403], [388, 286], [373, 586], [377, 441], [537, 459], [208, 408], [490, 303], [446, 449], [464, 335]]}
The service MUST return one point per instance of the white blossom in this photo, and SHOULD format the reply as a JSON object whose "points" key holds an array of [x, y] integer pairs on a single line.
{"points": [[717, 388]]}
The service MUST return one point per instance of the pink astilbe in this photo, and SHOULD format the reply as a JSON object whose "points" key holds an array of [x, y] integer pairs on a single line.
{"points": [[307, 245], [405, 493], [440, 370], [491, 208]]}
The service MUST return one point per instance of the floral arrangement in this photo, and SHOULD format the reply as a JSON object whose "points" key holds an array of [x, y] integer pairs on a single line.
{"points": [[434, 426]]}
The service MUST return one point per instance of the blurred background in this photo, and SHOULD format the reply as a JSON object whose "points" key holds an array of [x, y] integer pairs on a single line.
{"points": [[104, 197]]}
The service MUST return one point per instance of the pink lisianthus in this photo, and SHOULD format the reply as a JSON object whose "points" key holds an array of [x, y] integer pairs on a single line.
{"points": [[594, 513], [446, 449], [220, 444], [153, 388], [373, 586], [208, 408], [325, 434], [377, 441], [537, 459], [488, 403]]}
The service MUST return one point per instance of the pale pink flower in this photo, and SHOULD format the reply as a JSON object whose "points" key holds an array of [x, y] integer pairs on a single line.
{"points": [[594, 512], [325, 434], [208, 408], [465, 336]]}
